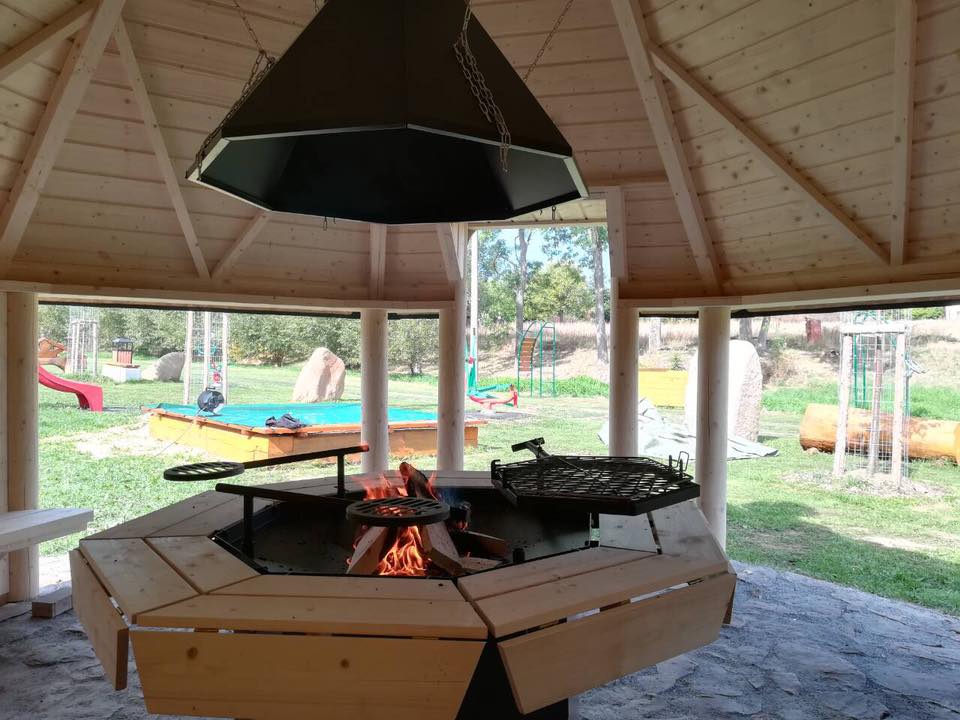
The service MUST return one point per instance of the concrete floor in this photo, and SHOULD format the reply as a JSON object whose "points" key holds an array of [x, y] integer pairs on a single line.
{"points": [[798, 649]]}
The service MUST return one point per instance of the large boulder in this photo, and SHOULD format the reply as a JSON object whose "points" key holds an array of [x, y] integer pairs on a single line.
{"points": [[321, 379], [745, 392], [166, 369]]}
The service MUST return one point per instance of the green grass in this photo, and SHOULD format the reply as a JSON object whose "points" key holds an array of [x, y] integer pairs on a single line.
{"points": [[935, 403], [784, 511]]}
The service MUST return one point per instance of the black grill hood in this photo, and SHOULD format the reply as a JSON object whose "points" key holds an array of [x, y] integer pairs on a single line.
{"points": [[368, 116]]}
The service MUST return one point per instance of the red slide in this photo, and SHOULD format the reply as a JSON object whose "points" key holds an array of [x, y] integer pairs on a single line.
{"points": [[89, 396]]}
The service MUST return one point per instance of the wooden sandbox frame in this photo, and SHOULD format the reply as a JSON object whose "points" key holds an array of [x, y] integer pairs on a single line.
{"points": [[213, 637], [243, 443]]}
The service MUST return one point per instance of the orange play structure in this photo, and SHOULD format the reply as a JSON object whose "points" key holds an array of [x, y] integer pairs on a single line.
{"points": [[927, 439]]}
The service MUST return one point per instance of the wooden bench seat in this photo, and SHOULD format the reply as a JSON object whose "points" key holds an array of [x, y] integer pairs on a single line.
{"points": [[22, 528]]}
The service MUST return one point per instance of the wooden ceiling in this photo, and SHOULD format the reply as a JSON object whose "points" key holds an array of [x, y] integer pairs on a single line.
{"points": [[738, 148]]}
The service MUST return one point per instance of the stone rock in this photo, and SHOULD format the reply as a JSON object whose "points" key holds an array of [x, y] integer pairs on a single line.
{"points": [[166, 369], [744, 395], [786, 681], [321, 379], [854, 705]]}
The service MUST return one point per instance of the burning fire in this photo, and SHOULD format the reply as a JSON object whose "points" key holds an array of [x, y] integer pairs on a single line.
{"points": [[405, 556]]}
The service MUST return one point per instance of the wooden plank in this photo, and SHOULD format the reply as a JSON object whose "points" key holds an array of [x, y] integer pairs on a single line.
{"points": [[537, 572], [616, 231], [52, 129], [202, 562], [567, 659], [904, 70], [448, 235], [164, 517], [548, 602], [633, 532], [104, 625], [683, 532], [345, 587], [53, 603], [840, 448], [45, 39], [243, 241], [378, 259], [634, 32], [777, 164], [136, 577], [275, 676], [152, 128], [209, 521], [22, 528], [354, 616]]}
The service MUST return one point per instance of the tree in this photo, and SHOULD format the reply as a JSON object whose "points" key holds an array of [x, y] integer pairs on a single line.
{"points": [[655, 335], [414, 343], [585, 247], [507, 266], [558, 291]]}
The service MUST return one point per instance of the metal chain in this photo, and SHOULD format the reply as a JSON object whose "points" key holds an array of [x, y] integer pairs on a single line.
{"points": [[261, 66], [478, 86], [546, 43]]}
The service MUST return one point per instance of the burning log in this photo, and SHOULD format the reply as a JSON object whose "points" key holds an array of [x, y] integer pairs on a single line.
{"points": [[369, 548], [440, 548], [416, 483]]}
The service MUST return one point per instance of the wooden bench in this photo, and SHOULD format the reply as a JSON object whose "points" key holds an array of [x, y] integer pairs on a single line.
{"points": [[22, 528]]}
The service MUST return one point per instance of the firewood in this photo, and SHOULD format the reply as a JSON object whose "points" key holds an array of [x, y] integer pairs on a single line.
{"points": [[478, 564], [479, 544], [366, 554], [440, 548], [416, 482]]}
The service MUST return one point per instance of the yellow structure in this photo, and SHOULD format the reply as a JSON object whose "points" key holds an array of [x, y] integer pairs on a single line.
{"points": [[664, 388]]}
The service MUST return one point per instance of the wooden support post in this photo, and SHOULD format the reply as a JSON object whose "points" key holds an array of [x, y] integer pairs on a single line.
{"points": [[475, 299], [188, 358], [224, 354], [23, 433], [846, 368], [373, 389], [4, 565], [899, 407], [207, 325], [451, 388], [876, 399], [713, 362], [624, 351]]}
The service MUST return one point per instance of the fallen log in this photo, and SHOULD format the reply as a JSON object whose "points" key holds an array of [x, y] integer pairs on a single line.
{"points": [[926, 439]]}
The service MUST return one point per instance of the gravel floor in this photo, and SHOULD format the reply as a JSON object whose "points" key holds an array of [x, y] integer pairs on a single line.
{"points": [[798, 649]]}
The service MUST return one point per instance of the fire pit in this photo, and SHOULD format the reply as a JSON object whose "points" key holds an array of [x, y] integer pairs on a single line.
{"points": [[284, 601]]}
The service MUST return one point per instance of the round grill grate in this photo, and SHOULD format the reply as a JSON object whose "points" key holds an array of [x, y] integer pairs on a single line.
{"points": [[203, 471], [398, 511]]}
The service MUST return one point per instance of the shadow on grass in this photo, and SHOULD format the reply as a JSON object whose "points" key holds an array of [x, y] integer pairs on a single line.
{"points": [[785, 535]]}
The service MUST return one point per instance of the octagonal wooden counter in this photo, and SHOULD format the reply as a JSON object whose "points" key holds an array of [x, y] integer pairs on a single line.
{"points": [[213, 637]]}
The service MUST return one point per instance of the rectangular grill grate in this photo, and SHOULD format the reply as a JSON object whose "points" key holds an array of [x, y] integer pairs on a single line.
{"points": [[610, 485]]}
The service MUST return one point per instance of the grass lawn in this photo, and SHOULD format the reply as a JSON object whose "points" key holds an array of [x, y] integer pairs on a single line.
{"points": [[784, 511]]}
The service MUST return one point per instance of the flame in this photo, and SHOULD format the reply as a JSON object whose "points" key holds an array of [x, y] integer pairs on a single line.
{"points": [[406, 555]]}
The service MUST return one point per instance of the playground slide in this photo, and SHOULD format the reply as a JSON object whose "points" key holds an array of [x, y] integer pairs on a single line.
{"points": [[89, 396]]}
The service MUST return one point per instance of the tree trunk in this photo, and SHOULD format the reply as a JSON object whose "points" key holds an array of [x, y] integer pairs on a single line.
{"points": [[599, 284], [762, 336], [746, 329], [520, 292], [654, 334]]}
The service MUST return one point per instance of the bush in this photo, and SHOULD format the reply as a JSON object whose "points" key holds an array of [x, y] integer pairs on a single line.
{"points": [[414, 343], [281, 339], [929, 313]]}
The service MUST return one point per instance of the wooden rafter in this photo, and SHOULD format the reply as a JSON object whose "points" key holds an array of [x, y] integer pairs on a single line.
{"points": [[243, 241], [795, 180], [378, 259], [904, 64], [45, 39], [152, 127], [616, 232], [657, 105], [452, 238], [64, 100]]}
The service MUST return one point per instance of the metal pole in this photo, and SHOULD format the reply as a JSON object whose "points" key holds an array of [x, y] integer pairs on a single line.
{"points": [[207, 321], [475, 301], [225, 339], [188, 359]]}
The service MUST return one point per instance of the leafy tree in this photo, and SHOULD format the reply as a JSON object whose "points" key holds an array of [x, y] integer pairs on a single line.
{"points": [[558, 291], [54, 321], [505, 263], [414, 343], [585, 248]]}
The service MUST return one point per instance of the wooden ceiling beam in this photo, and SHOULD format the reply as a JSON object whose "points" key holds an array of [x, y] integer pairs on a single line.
{"points": [[904, 66], [170, 178], [243, 241], [795, 180], [453, 239], [617, 232], [378, 260], [67, 94], [657, 106], [46, 38]]}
